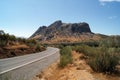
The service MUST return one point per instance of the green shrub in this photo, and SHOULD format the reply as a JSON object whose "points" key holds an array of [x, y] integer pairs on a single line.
{"points": [[3, 40], [61, 46], [104, 61], [101, 59], [3, 43], [12, 38], [38, 46], [66, 51], [66, 56], [88, 51], [111, 41]]}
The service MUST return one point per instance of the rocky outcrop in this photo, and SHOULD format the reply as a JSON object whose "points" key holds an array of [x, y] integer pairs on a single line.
{"points": [[58, 28]]}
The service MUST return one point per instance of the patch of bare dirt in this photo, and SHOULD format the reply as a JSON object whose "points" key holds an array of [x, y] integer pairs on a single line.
{"points": [[79, 70], [17, 50], [69, 39]]}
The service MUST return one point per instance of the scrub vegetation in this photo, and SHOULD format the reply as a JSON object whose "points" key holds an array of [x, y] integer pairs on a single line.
{"points": [[102, 58], [11, 46]]}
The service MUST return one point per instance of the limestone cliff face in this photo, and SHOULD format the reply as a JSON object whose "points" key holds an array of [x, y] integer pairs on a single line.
{"points": [[61, 29]]}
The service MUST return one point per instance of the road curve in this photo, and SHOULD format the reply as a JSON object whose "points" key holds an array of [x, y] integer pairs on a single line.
{"points": [[9, 65]]}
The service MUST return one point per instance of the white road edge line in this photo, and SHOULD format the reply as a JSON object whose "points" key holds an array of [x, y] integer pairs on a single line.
{"points": [[27, 63]]}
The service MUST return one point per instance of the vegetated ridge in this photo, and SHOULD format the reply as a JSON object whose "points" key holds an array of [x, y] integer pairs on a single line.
{"points": [[64, 32], [11, 46]]}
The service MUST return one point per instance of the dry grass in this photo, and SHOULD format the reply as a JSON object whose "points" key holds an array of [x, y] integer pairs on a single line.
{"points": [[79, 70], [17, 46], [80, 38]]}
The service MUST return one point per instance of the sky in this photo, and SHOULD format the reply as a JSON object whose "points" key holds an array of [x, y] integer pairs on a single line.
{"points": [[23, 17]]}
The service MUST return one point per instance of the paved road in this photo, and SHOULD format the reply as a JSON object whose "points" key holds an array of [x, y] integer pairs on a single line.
{"points": [[9, 64]]}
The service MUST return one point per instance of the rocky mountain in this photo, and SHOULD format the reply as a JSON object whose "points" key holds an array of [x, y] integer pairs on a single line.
{"points": [[63, 32]]}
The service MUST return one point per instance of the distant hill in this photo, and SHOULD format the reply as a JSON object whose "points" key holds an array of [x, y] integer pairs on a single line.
{"points": [[64, 32]]}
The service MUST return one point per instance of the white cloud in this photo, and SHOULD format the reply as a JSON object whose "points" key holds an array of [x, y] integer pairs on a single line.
{"points": [[109, 0], [112, 17], [104, 2]]}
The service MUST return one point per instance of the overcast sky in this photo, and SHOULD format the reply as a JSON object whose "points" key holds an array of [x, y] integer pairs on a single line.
{"points": [[23, 17]]}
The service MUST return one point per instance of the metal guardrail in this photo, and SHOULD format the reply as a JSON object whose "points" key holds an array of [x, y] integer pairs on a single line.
{"points": [[27, 66]]}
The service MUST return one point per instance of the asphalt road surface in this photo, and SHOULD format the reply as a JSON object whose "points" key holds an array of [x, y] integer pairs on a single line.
{"points": [[28, 62]]}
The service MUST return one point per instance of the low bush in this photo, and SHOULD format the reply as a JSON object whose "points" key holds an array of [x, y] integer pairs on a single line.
{"points": [[37, 48], [3, 43], [104, 61], [66, 56], [102, 58], [88, 51]]}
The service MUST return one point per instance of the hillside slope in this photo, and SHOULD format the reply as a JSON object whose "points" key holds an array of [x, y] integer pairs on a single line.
{"points": [[11, 46]]}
